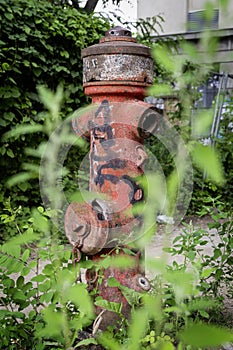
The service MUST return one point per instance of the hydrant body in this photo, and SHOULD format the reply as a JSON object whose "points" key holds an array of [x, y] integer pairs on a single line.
{"points": [[115, 74]]}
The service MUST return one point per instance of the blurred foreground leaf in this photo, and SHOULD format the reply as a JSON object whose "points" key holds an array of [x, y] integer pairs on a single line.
{"points": [[208, 161], [203, 335]]}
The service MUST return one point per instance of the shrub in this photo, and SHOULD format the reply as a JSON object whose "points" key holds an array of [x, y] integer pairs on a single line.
{"points": [[40, 45]]}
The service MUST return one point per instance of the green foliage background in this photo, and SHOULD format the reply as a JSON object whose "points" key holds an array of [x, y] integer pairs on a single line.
{"points": [[40, 44]]}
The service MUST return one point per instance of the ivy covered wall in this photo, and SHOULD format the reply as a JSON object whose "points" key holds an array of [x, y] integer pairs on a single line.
{"points": [[40, 44]]}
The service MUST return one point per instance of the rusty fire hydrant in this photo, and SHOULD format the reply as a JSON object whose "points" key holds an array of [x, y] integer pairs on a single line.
{"points": [[115, 73]]}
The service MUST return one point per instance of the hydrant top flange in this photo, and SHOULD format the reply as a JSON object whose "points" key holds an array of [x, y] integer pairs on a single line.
{"points": [[117, 58], [117, 40]]}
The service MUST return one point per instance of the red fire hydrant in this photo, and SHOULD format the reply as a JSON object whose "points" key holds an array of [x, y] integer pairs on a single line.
{"points": [[115, 74]]}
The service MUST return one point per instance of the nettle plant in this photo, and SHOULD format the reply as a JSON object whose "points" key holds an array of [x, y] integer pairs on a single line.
{"points": [[45, 305], [210, 251], [38, 287]]}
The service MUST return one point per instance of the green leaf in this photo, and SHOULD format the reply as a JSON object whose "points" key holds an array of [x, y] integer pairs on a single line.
{"points": [[65, 54], [207, 272], [15, 314], [122, 261], [20, 282], [15, 92], [5, 66], [19, 178], [224, 4], [106, 262], [40, 222], [203, 335], [218, 274], [79, 296], [67, 255], [172, 309], [217, 253], [44, 287], [40, 210], [39, 278], [10, 153], [9, 116], [132, 296], [25, 271], [182, 282], [203, 304], [26, 63], [22, 130], [86, 342], [11, 249], [166, 346], [160, 90], [109, 305], [113, 282], [207, 159], [209, 10], [54, 322], [191, 51], [8, 282], [191, 255], [204, 314], [47, 297], [52, 101], [26, 287], [106, 339], [9, 16], [202, 124], [19, 295], [137, 328], [164, 57], [23, 186], [48, 270]]}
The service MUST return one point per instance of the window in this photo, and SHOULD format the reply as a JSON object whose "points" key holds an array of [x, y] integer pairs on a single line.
{"points": [[197, 21]]}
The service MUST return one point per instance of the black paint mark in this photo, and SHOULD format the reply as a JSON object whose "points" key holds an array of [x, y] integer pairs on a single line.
{"points": [[136, 193]]}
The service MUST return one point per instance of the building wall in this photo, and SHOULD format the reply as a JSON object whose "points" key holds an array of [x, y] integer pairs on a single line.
{"points": [[175, 13], [226, 17], [194, 5]]}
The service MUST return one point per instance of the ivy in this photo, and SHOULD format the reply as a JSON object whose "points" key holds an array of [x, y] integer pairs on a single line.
{"points": [[40, 44]]}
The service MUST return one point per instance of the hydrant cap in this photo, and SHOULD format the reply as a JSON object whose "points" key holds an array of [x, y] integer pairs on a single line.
{"points": [[117, 40], [118, 57]]}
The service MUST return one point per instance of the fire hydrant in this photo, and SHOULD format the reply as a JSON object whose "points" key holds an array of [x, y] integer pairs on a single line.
{"points": [[115, 74]]}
